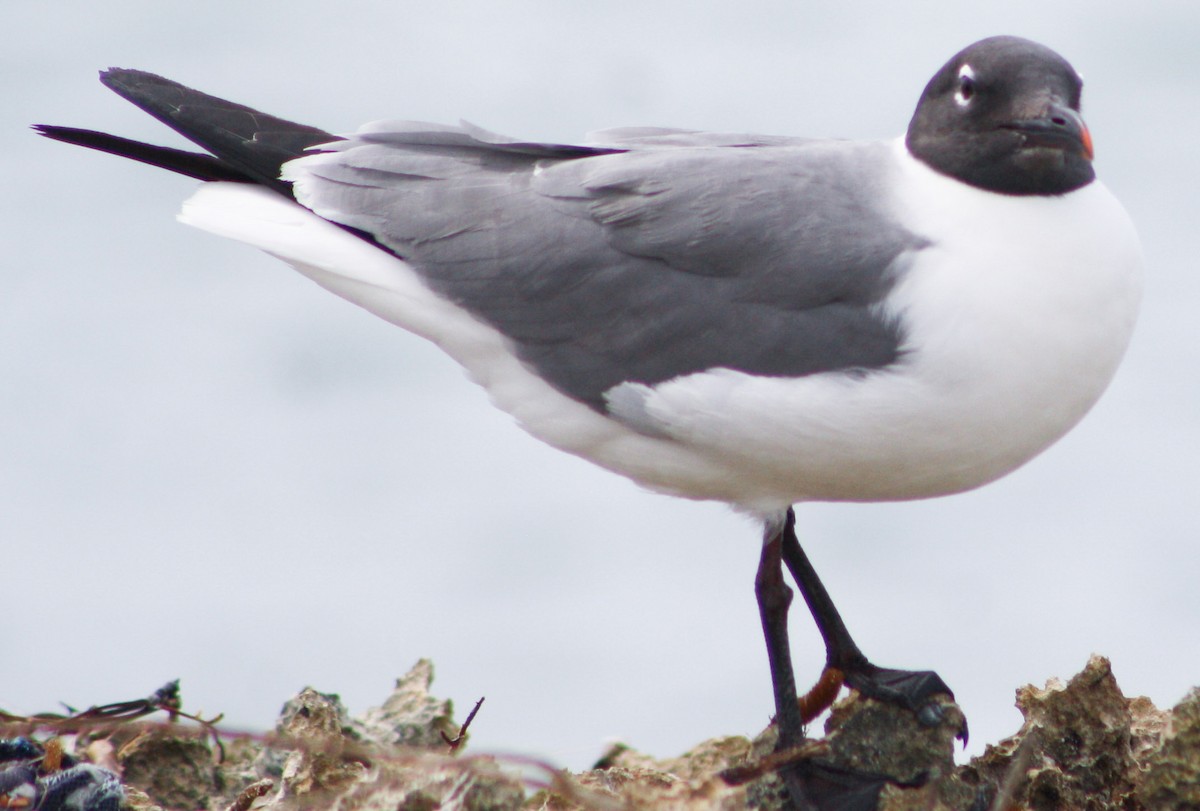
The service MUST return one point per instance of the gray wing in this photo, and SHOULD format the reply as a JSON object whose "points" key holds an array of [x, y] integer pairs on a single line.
{"points": [[663, 258]]}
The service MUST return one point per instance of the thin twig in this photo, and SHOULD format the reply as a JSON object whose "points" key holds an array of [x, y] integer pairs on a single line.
{"points": [[740, 775], [457, 740], [164, 699]]}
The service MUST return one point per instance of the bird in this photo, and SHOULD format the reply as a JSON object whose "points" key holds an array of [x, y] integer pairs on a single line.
{"points": [[758, 320]]}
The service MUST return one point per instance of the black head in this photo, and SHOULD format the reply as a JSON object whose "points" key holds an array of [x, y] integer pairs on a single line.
{"points": [[1003, 115]]}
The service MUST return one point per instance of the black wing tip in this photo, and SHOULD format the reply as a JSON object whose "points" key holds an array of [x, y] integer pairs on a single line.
{"points": [[119, 79], [68, 135], [189, 164], [246, 144], [155, 94], [114, 77]]}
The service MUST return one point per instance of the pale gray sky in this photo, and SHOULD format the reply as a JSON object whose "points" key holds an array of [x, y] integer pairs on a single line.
{"points": [[212, 469]]}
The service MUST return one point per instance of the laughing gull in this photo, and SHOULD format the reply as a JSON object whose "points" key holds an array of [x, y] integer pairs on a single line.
{"points": [[752, 319]]}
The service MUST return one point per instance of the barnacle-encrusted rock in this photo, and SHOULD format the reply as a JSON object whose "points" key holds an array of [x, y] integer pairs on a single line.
{"points": [[1083, 746], [410, 716], [174, 771], [392, 758], [319, 767], [1172, 779], [1079, 747]]}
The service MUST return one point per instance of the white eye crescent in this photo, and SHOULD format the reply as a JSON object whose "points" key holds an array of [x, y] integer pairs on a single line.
{"points": [[966, 86]]}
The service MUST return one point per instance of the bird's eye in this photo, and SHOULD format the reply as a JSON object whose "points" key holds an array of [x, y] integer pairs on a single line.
{"points": [[966, 86]]}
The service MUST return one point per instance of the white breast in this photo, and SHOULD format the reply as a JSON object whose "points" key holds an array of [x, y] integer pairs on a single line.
{"points": [[1017, 316]]}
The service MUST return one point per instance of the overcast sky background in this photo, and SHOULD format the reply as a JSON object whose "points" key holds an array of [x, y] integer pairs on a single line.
{"points": [[211, 469]]}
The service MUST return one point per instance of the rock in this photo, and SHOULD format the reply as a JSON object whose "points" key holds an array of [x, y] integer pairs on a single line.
{"points": [[307, 712], [318, 767], [410, 716], [628, 779], [174, 771], [1083, 746], [1172, 779], [421, 783], [1075, 750], [393, 758]]}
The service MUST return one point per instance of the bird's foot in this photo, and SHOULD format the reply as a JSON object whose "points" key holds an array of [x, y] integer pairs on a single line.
{"points": [[914, 689], [894, 734]]}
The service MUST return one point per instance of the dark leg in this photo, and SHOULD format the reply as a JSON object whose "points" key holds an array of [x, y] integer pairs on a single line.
{"points": [[774, 599], [912, 689], [813, 785]]}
